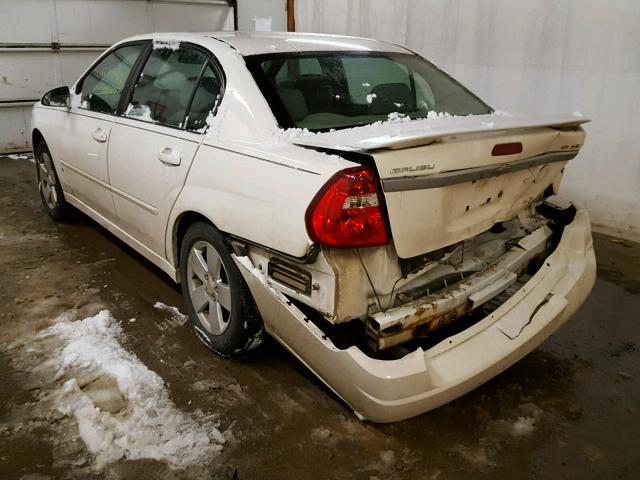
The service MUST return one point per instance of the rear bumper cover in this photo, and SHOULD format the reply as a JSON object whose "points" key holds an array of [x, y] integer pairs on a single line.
{"points": [[392, 390]]}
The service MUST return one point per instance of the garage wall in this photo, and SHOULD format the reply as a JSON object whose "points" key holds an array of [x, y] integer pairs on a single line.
{"points": [[250, 9], [48, 43], [530, 56]]}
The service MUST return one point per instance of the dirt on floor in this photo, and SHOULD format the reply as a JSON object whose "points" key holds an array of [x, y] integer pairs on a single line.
{"points": [[568, 410]]}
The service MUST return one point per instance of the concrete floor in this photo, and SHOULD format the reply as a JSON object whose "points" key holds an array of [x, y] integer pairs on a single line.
{"points": [[582, 386]]}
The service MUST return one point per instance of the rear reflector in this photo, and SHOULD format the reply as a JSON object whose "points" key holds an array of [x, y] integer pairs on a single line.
{"points": [[506, 149]]}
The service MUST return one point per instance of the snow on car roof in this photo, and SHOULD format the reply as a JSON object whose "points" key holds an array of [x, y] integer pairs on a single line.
{"points": [[255, 43]]}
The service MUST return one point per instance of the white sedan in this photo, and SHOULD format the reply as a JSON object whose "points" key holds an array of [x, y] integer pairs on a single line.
{"points": [[398, 236]]}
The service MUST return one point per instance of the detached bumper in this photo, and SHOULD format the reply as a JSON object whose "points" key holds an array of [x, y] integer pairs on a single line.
{"points": [[392, 390]]}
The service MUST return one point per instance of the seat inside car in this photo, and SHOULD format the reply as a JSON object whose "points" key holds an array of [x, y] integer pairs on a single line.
{"points": [[391, 97], [322, 93], [293, 100]]}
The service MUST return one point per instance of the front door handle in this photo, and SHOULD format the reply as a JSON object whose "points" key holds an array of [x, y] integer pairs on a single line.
{"points": [[99, 135], [169, 156]]}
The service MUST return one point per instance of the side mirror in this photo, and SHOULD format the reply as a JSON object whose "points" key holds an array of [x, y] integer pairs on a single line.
{"points": [[58, 97]]}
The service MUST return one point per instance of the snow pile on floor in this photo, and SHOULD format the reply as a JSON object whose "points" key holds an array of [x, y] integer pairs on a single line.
{"points": [[176, 314], [20, 156], [148, 425], [523, 426]]}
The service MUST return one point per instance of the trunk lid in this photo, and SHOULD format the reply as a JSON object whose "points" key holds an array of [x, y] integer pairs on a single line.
{"points": [[444, 180]]}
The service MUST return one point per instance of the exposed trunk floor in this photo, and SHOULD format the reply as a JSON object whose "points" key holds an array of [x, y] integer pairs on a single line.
{"points": [[569, 410]]}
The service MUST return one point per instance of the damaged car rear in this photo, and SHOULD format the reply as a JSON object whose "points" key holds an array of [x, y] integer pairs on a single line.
{"points": [[399, 237], [442, 258]]}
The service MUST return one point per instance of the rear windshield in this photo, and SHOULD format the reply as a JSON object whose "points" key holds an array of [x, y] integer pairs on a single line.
{"points": [[322, 91]]}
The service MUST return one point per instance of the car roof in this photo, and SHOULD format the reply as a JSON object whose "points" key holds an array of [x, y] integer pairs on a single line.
{"points": [[255, 43]]}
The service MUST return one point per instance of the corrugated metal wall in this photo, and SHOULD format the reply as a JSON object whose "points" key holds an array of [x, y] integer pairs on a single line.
{"points": [[48, 43], [530, 56]]}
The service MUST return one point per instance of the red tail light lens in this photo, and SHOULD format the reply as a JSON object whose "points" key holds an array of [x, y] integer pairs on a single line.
{"points": [[346, 212]]}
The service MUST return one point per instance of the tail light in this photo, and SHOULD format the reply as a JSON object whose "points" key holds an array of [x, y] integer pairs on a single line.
{"points": [[346, 212]]}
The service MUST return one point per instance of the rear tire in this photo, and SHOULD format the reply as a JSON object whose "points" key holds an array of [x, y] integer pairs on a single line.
{"points": [[221, 308], [49, 187]]}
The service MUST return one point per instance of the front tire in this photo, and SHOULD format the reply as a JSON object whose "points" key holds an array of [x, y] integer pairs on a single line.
{"points": [[221, 308], [49, 186]]}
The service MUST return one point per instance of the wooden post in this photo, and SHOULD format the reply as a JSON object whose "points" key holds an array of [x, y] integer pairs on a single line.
{"points": [[291, 15]]}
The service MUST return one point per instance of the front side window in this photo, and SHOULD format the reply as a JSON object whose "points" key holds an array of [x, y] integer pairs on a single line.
{"points": [[163, 92], [326, 90], [103, 85]]}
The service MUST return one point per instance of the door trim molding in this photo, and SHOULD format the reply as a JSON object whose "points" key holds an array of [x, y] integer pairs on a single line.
{"points": [[120, 193]]}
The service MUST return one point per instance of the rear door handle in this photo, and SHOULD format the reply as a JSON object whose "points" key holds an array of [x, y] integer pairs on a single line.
{"points": [[99, 135], [169, 156]]}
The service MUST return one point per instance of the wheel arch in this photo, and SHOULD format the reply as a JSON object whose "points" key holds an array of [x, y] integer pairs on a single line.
{"points": [[180, 226], [36, 138]]}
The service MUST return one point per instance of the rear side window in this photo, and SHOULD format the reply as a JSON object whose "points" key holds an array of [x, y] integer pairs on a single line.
{"points": [[164, 90], [205, 99], [102, 87]]}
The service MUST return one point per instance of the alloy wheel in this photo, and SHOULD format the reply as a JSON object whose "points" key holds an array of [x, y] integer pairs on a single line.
{"points": [[208, 285], [47, 181]]}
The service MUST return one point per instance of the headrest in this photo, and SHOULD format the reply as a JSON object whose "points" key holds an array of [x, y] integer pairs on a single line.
{"points": [[294, 102], [391, 97]]}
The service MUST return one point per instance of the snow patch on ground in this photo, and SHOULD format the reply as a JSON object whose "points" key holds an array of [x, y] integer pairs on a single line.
{"points": [[147, 424], [21, 156], [176, 314], [478, 456], [523, 426]]}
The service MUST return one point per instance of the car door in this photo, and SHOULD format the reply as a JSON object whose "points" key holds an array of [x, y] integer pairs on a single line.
{"points": [[153, 143], [88, 125]]}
